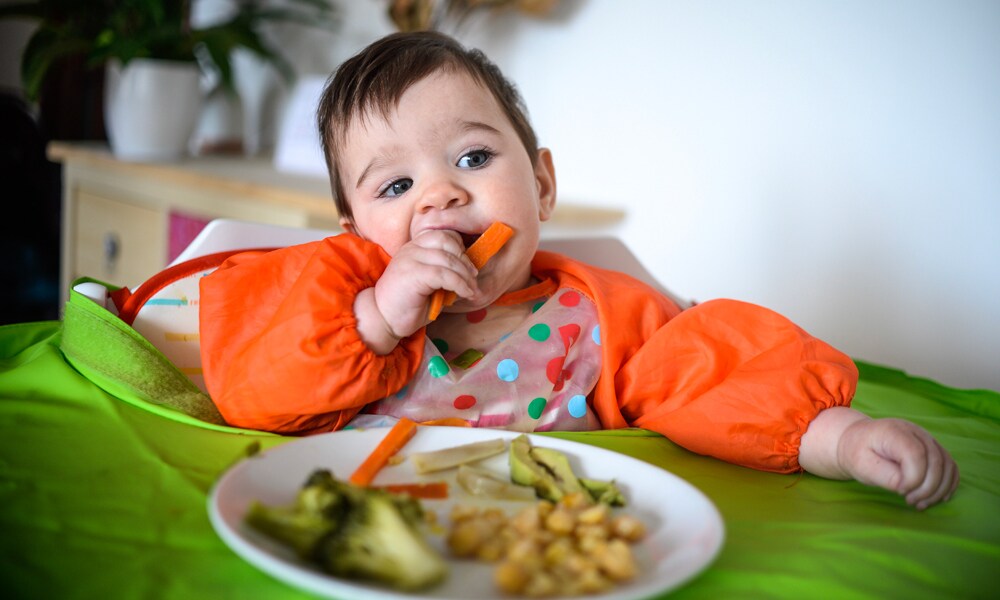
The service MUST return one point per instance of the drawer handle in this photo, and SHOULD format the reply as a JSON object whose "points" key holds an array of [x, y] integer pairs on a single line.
{"points": [[112, 250]]}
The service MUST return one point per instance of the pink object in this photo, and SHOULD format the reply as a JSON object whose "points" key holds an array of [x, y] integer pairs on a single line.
{"points": [[183, 229]]}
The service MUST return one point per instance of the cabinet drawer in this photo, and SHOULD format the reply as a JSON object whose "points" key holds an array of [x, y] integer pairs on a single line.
{"points": [[118, 242]]}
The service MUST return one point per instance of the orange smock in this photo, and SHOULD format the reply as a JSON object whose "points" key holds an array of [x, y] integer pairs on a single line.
{"points": [[281, 352]]}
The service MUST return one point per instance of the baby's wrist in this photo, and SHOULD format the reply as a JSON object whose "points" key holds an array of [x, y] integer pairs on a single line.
{"points": [[822, 449], [372, 326]]}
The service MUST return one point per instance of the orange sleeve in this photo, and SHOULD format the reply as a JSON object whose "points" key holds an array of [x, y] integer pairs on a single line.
{"points": [[279, 341], [735, 381]]}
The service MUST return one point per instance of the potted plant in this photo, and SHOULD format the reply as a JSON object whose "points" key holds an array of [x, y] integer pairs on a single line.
{"points": [[141, 42]]}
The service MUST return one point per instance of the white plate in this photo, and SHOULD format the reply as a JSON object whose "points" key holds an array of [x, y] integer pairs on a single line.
{"points": [[685, 531]]}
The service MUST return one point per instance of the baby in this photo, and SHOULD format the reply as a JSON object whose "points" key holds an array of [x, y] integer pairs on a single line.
{"points": [[428, 144]]}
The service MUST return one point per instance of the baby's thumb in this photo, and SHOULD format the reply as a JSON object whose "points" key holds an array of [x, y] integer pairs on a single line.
{"points": [[879, 471]]}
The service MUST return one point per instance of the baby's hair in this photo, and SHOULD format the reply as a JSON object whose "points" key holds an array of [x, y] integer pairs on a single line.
{"points": [[376, 78]]}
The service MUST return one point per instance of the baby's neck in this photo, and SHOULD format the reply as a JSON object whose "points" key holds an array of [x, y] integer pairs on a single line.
{"points": [[479, 330]]}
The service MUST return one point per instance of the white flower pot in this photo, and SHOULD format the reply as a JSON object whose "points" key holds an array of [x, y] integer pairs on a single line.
{"points": [[151, 108]]}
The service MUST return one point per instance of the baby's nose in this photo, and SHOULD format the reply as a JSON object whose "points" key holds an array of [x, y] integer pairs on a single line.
{"points": [[444, 194]]}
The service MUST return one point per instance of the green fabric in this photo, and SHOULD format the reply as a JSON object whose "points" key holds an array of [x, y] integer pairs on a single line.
{"points": [[104, 498], [125, 364]]}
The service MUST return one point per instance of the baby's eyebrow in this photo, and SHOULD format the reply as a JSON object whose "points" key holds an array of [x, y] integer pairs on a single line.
{"points": [[378, 161], [477, 126]]}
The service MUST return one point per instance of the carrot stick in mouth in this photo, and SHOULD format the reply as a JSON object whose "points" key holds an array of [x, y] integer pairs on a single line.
{"points": [[480, 252]]}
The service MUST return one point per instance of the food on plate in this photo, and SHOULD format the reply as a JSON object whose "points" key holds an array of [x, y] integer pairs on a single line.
{"points": [[568, 547], [605, 492], [550, 473], [426, 490], [567, 543], [355, 532], [480, 252], [480, 482], [451, 457], [400, 433]]}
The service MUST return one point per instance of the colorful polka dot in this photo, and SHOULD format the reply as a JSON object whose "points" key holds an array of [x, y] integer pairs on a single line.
{"points": [[467, 359], [537, 306], [577, 406], [570, 299], [440, 344], [464, 401], [595, 334], [437, 367], [508, 369], [539, 332], [569, 334], [535, 407], [402, 393], [556, 374], [554, 368], [476, 316]]}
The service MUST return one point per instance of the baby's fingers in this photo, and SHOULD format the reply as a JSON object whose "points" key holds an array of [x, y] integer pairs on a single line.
{"points": [[940, 478]]}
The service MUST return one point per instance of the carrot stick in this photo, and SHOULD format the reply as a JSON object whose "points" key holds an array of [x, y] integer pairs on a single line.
{"points": [[480, 252], [431, 490], [397, 437], [448, 422]]}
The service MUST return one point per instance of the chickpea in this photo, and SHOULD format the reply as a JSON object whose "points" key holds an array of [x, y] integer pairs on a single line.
{"points": [[569, 547], [511, 577], [628, 528]]}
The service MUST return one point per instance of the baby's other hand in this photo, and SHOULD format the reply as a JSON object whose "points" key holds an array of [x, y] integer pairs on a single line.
{"points": [[900, 456]]}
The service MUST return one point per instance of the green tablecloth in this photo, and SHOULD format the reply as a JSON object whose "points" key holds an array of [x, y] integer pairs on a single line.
{"points": [[107, 499]]}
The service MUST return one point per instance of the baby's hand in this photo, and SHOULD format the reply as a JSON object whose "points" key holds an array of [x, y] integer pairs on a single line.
{"points": [[431, 261], [899, 456], [842, 443]]}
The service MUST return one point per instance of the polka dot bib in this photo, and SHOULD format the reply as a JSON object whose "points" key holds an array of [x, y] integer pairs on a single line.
{"points": [[536, 376]]}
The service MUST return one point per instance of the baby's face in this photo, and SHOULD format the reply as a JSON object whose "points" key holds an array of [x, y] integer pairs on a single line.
{"points": [[447, 158]]}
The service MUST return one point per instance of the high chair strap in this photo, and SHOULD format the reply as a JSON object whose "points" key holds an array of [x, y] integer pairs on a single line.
{"points": [[129, 303]]}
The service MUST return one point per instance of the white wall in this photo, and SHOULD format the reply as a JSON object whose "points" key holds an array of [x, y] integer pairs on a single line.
{"points": [[836, 161]]}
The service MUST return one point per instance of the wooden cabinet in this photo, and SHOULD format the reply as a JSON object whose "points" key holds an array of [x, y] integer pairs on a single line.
{"points": [[117, 214], [116, 241]]}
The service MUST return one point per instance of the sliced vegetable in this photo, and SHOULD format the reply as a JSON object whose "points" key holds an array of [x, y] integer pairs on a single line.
{"points": [[604, 492], [447, 422], [430, 490], [393, 441], [447, 458], [480, 482], [480, 252], [549, 472]]}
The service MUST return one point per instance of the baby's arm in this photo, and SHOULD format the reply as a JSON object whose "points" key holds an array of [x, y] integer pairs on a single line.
{"points": [[842, 443]]}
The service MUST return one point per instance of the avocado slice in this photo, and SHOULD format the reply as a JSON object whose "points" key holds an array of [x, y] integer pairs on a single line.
{"points": [[525, 470], [557, 465], [604, 492]]}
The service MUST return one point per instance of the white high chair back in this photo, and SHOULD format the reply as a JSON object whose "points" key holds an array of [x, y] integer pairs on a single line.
{"points": [[230, 234], [169, 320]]}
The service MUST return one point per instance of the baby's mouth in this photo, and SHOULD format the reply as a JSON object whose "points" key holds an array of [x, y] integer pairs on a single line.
{"points": [[469, 238]]}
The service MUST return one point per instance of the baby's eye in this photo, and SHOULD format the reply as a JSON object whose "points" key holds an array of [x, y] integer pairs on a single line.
{"points": [[475, 159], [396, 188]]}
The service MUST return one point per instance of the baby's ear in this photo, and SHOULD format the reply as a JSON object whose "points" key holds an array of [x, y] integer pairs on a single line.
{"points": [[347, 225], [545, 180]]}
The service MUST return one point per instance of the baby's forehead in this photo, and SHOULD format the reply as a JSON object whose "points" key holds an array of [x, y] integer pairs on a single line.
{"points": [[380, 108]]}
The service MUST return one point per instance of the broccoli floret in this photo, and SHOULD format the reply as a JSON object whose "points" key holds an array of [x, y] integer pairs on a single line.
{"points": [[318, 507], [380, 542], [354, 532]]}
